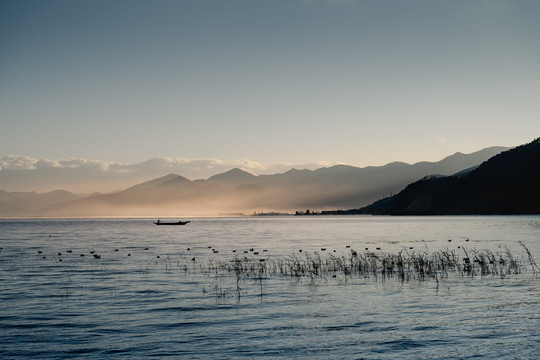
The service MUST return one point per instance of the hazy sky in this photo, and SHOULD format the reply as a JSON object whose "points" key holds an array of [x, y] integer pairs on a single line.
{"points": [[292, 81]]}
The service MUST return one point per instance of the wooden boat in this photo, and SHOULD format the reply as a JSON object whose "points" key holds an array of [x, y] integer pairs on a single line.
{"points": [[159, 222]]}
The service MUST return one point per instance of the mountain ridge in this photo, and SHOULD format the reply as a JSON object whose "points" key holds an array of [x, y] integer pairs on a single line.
{"points": [[239, 191], [506, 184]]}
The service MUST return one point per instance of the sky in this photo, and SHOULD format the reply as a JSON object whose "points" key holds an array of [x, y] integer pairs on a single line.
{"points": [[361, 83]]}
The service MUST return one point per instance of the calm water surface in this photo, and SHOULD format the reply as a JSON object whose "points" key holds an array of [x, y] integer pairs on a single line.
{"points": [[149, 296]]}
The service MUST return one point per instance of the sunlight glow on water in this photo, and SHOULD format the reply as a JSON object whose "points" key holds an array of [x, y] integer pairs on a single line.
{"points": [[130, 303]]}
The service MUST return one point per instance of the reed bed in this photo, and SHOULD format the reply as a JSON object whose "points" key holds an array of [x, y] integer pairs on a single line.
{"points": [[403, 265], [235, 275]]}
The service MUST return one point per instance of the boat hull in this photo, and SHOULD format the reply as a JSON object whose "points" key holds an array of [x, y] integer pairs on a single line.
{"points": [[172, 223]]}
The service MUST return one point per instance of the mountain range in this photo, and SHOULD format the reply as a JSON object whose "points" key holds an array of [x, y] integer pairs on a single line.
{"points": [[506, 184], [237, 191]]}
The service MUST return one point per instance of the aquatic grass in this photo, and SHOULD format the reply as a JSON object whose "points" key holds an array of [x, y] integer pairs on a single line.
{"points": [[240, 274], [402, 266], [534, 267]]}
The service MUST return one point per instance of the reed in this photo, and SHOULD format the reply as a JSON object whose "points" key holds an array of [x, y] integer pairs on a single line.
{"points": [[402, 266], [238, 275], [534, 267]]}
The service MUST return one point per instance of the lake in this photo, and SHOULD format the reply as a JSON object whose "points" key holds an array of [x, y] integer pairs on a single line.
{"points": [[125, 288]]}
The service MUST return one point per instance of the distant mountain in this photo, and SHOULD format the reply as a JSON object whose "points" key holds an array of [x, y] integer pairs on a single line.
{"points": [[20, 203], [234, 178], [237, 191], [508, 183], [157, 182], [343, 186]]}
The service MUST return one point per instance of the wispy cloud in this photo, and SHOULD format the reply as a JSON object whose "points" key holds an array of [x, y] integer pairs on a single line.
{"points": [[440, 138]]}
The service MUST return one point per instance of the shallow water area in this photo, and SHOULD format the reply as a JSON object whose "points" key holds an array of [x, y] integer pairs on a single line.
{"points": [[142, 290]]}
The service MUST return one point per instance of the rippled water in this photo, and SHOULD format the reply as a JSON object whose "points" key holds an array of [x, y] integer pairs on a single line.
{"points": [[146, 296]]}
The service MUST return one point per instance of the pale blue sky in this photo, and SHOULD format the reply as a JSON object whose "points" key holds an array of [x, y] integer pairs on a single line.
{"points": [[293, 81]]}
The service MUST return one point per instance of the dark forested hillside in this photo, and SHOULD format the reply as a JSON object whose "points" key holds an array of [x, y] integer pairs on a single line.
{"points": [[508, 183]]}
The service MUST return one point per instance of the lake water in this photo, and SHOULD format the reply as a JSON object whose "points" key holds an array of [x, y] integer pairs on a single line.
{"points": [[159, 291]]}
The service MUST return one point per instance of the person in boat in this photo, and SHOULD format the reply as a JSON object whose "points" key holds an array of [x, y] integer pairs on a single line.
{"points": [[158, 221]]}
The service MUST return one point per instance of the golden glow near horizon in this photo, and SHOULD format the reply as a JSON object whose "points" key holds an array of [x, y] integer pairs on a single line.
{"points": [[298, 82]]}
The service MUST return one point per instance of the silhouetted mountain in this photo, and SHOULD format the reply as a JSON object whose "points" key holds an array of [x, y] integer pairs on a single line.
{"points": [[343, 186], [235, 191], [20, 203], [508, 183], [7, 209], [157, 182], [233, 178], [379, 207], [168, 195]]}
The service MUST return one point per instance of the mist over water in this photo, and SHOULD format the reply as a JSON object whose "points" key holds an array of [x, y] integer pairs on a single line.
{"points": [[148, 295]]}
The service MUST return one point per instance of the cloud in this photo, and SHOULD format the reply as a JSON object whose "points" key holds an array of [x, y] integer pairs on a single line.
{"points": [[23, 173], [16, 162], [191, 168], [440, 138]]}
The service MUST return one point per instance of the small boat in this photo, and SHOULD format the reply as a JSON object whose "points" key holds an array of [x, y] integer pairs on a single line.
{"points": [[159, 222]]}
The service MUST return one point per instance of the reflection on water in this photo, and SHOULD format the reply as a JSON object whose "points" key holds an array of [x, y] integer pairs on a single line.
{"points": [[157, 291]]}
